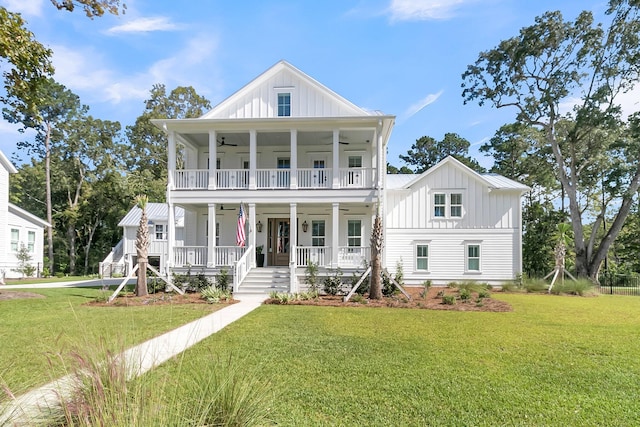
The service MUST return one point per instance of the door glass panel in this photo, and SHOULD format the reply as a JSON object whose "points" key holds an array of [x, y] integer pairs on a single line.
{"points": [[282, 239]]}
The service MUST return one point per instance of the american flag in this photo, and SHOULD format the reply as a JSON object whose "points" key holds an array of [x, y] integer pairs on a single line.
{"points": [[240, 234]]}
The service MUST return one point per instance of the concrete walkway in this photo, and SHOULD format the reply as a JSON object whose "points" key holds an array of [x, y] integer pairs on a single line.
{"points": [[140, 358]]}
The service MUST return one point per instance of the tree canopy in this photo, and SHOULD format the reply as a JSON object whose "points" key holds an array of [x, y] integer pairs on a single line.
{"points": [[426, 152]]}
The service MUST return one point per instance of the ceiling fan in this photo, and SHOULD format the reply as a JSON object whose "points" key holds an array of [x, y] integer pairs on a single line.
{"points": [[222, 208], [222, 143]]}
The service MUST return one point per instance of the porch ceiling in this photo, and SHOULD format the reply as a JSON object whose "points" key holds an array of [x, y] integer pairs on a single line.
{"points": [[317, 138]]}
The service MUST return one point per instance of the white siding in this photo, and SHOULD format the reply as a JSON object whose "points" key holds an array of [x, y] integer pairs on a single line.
{"points": [[4, 213], [24, 226]]}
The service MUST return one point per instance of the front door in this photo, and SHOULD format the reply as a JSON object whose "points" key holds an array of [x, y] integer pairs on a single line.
{"points": [[278, 248]]}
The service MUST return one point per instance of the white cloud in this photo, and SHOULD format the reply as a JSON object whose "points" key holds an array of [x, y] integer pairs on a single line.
{"points": [[145, 25], [26, 7], [415, 108], [422, 10]]}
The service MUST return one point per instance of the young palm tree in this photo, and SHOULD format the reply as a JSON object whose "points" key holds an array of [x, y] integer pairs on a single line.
{"points": [[142, 245], [375, 290]]}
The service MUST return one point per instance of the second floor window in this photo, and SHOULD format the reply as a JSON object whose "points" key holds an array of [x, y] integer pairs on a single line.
{"points": [[284, 104], [161, 232], [439, 205], [456, 205]]}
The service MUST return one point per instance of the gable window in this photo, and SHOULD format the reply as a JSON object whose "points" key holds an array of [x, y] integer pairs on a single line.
{"points": [[473, 257], [456, 205], [15, 238], [439, 205], [354, 233], [422, 257], [284, 104], [161, 232], [31, 241], [317, 233]]}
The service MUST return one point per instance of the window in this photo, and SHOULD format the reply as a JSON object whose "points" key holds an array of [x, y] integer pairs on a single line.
{"points": [[160, 232], [422, 257], [355, 161], [317, 233], [217, 233], [284, 104], [439, 205], [456, 205], [31, 242], [284, 163], [473, 257], [15, 239], [354, 176], [354, 233]]}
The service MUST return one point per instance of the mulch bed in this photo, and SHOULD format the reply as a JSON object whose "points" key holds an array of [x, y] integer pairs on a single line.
{"points": [[158, 298], [7, 295], [432, 301]]}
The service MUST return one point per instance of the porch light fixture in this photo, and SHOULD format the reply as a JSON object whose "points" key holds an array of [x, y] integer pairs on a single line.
{"points": [[305, 226], [259, 227]]}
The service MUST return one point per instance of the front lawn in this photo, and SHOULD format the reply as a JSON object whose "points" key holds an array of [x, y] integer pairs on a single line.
{"points": [[34, 330], [553, 361]]}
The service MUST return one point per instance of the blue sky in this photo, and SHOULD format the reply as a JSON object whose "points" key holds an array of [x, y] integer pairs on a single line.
{"points": [[402, 57]]}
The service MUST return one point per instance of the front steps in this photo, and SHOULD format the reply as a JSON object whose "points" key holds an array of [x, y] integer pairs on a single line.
{"points": [[264, 280]]}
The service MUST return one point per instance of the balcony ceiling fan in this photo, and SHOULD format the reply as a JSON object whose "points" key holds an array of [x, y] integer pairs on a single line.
{"points": [[222, 143], [222, 208]]}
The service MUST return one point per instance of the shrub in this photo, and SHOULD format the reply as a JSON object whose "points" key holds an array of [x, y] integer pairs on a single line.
{"points": [[425, 292], [572, 287], [465, 294], [357, 298], [364, 286], [333, 283], [508, 287], [484, 294], [535, 285], [215, 295], [440, 294], [222, 279], [449, 299], [311, 275]]}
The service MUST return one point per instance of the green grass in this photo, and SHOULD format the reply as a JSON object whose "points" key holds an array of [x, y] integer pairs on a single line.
{"points": [[553, 361], [35, 330], [32, 280]]}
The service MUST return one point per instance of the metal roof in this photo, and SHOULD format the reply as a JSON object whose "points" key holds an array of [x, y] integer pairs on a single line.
{"points": [[155, 212], [498, 182], [396, 181], [504, 183]]}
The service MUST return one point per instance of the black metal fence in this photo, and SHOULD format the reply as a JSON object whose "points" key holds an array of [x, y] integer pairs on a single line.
{"points": [[619, 284]]}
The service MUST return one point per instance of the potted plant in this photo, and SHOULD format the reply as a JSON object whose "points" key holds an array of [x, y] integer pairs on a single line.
{"points": [[259, 256]]}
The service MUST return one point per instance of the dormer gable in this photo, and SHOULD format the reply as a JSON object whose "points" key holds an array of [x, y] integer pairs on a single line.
{"points": [[283, 91]]}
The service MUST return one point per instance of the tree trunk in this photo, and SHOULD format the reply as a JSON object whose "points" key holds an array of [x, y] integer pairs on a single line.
{"points": [[375, 290], [71, 235], [142, 247], [47, 173]]}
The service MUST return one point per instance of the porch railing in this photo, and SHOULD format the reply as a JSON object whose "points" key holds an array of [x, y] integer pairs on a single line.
{"points": [[356, 178], [232, 178], [227, 255], [320, 255], [242, 267], [349, 256], [273, 178], [190, 255], [314, 178], [156, 247], [191, 179]]}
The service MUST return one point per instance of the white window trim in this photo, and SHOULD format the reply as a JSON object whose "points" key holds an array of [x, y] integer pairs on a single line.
{"points": [[447, 204], [415, 256], [466, 257], [361, 232], [11, 241], [291, 90]]}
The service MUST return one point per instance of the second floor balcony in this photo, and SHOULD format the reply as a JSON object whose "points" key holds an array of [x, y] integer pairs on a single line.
{"points": [[306, 178]]}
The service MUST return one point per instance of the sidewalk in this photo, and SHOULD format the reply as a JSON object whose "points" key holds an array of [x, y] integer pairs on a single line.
{"points": [[141, 358]]}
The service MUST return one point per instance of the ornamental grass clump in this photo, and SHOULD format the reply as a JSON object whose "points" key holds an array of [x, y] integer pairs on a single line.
{"points": [[573, 287]]}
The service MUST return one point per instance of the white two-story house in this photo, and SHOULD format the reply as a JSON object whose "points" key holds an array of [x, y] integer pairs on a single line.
{"points": [[308, 169], [18, 228]]}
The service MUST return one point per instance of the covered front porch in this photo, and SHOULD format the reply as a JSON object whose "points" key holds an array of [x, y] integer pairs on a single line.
{"points": [[330, 235]]}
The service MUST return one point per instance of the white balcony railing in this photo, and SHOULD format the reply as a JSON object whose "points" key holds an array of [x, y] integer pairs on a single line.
{"points": [[314, 178], [232, 178], [190, 179], [349, 256], [227, 255], [156, 247], [273, 178], [320, 255]]}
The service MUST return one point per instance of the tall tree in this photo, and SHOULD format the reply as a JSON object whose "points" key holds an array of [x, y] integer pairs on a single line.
{"points": [[142, 245], [427, 152], [56, 105], [148, 163], [556, 62]]}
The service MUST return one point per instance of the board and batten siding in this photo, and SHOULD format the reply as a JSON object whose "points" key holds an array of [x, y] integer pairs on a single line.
{"points": [[481, 207], [499, 256]]}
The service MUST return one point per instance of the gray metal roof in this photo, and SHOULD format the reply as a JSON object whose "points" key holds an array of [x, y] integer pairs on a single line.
{"points": [[396, 181], [155, 212], [504, 183]]}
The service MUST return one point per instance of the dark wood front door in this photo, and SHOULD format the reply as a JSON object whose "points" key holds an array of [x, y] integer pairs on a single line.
{"points": [[278, 248]]}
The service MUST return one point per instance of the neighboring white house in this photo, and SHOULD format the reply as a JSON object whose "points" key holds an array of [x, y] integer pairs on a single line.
{"points": [[308, 169], [17, 227]]}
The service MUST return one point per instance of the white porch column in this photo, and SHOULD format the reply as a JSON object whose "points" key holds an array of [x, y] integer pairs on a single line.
{"points": [[171, 237], [252, 231], [211, 236], [335, 234], [293, 180], [171, 159], [336, 159], [293, 237], [253, 158], [213, 157]]}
